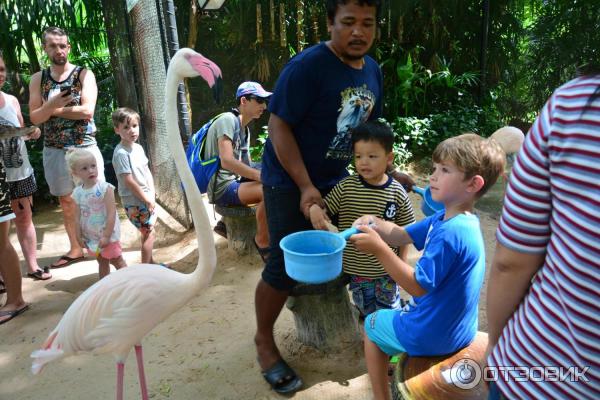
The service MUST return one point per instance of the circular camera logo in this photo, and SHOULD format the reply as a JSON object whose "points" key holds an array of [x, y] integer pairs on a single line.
{"points": [[465, 373]]}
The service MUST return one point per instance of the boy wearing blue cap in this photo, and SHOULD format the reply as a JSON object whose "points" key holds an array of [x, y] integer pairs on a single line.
{"points": [[229, 137]]}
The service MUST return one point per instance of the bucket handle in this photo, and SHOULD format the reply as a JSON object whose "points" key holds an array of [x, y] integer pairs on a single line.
{"points": [[419, 191], [349, 232]]}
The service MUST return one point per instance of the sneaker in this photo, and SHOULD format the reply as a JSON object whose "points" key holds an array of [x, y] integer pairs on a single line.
{"points": [[221, 229]]}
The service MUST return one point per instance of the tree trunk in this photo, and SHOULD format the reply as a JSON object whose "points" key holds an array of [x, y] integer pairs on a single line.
{"points": [[324, 316], [149, 53], [121, 59]]}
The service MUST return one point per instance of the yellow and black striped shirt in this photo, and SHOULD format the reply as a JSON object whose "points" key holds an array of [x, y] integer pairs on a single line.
{"points": [[352, 198]]}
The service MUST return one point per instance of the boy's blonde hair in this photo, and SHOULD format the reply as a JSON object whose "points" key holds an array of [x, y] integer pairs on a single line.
{"points": [[473, 155], [76, 155], [124, 114]]}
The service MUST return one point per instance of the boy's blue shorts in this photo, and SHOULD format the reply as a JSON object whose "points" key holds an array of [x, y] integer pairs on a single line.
{"points": [[230, 197], [379, 328]]}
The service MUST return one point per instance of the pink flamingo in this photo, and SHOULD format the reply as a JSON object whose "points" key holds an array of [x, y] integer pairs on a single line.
{"points": [[115, 313]]}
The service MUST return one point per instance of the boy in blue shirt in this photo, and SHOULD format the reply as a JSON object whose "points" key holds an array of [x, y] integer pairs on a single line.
{"points": [[446, 281]]}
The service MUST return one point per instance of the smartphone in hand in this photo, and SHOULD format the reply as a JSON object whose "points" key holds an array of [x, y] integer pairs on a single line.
{"points": [[68, 89]]}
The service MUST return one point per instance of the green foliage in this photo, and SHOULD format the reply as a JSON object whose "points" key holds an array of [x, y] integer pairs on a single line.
{"points": [[422, 135], [413, 89], [563, 40], [256, 151]]}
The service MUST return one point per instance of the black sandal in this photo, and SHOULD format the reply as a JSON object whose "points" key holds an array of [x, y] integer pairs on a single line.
{"points": [[39, 274], [282, 378]]}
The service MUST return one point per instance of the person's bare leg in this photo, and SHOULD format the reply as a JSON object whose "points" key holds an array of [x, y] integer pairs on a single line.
{"points": [[103, 267], [268, 303], [11, 273], [147, 246], [262, 230], [26, 232], [252, 193], [118, 262], [377, 366], [69, 208]]}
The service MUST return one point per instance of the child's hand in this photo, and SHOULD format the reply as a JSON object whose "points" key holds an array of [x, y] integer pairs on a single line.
{"points": [[319, 218], [34, 135], [150, 205], [368, 241], [103, 242]]}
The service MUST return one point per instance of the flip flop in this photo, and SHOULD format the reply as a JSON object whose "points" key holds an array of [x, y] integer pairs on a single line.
{"points": [[68, 261], [282, 378], [38, 275], [12, 314]]}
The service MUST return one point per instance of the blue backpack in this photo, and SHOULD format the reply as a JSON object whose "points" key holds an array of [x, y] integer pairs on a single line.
{"points": [[204, 169]]}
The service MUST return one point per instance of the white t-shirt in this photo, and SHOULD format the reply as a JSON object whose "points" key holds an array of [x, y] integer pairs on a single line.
{"points": [[13, 151]]}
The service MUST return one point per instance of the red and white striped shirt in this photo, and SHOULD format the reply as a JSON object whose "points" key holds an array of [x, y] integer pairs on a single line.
{"points": [[552, 205]]}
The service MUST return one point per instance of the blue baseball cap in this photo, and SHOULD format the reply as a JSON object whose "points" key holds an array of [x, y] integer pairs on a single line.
{"points": [[252, 88]]}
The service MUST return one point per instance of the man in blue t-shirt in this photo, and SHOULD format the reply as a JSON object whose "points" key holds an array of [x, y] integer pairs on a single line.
{"points": [[321, 93]]}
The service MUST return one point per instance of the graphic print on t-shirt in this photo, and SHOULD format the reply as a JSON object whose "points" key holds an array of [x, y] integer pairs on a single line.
{"points": [[357, 104]]}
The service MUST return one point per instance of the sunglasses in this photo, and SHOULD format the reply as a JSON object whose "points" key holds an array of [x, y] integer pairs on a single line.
{"points": [[259, 100]]}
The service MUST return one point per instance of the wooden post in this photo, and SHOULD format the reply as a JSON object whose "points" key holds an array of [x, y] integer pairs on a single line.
{"points": [[324, 316]]}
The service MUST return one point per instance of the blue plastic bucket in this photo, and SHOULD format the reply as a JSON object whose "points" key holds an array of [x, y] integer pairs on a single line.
{"points": [[314, 256], [428, 205]]}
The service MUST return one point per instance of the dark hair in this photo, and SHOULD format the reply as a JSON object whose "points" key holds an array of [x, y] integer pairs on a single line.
{"points": [[332, 5], [124, 115], [374, 131], [53, 30]]}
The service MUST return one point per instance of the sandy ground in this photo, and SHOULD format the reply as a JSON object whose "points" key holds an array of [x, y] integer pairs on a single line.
{"points": [[203, 351]]}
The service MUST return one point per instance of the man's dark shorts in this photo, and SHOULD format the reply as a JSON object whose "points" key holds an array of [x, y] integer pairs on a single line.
{"points": [[230, 198], [283, 217]]}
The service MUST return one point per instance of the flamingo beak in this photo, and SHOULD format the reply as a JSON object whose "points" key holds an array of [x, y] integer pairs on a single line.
{"points": [[217, 90], [206, 69]]}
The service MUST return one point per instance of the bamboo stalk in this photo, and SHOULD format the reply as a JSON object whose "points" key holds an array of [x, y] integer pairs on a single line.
{"points": [[272, 13], [259, 34], [300, 25], [282, 27]]}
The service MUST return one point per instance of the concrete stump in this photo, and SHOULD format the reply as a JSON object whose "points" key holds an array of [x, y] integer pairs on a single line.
{"points": [[324, 316], [454, 376], [241, 227]]}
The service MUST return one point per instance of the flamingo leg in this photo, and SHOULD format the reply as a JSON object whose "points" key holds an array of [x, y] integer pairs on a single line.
{"points": [[120, 373], [140, 362]]}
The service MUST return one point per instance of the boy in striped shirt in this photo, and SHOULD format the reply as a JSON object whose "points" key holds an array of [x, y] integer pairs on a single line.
{"points": [[445, 283], [370, 191]]}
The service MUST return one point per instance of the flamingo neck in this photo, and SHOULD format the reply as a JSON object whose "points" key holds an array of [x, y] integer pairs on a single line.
{"points": [[207, 257]]}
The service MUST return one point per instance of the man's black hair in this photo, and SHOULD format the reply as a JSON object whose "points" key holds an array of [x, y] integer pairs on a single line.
{"points": [[332, 5], [374, 131]]}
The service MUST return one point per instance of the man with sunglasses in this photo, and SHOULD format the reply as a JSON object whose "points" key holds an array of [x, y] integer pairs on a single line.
{"points": [[237, 182]]}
